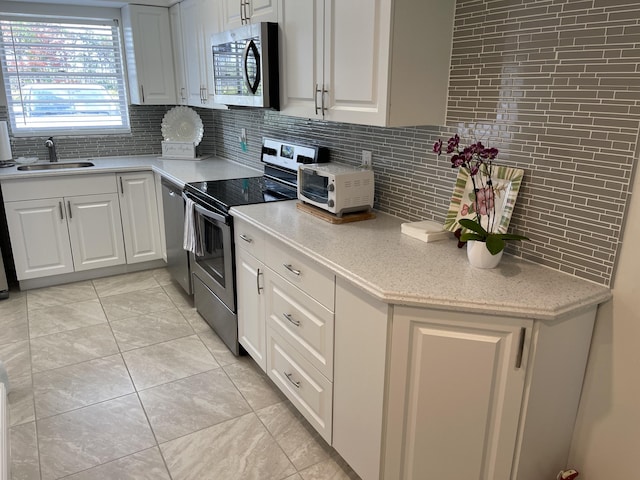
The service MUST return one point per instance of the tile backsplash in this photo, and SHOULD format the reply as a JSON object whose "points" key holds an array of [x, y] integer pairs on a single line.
{"points": [[553, 84], [145, 137]]}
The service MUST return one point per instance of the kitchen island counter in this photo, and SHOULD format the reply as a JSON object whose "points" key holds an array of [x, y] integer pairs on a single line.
{"points": [[397, 269]]}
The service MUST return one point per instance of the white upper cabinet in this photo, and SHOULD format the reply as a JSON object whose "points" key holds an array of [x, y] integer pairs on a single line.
{"points": [[373, 62], [199, 19], [236, 13], [175, 20], [147, 37]]}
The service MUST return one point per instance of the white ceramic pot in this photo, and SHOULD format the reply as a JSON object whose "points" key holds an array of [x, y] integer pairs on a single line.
{"points": [[480, 257]]}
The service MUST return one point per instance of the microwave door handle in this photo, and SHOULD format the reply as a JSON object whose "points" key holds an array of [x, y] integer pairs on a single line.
{"points": [[251, 47]]}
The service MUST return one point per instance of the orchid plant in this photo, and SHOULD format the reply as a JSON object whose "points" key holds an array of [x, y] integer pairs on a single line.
{"points": [[477, 160]]}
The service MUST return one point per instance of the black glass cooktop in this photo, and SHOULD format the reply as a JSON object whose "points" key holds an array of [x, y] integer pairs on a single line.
{"points": [[225, 194]]}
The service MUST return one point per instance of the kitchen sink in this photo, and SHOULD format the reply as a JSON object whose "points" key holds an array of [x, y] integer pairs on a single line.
{"points": [[54, 166]]}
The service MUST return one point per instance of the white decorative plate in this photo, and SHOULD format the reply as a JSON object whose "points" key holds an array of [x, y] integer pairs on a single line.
{"points": [[182, 124]]}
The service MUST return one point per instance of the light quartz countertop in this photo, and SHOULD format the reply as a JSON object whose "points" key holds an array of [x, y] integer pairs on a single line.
{"points": [[401, 270], [178, 171]]}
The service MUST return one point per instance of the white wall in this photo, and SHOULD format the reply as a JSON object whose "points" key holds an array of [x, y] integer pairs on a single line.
{"points": [[606, 440]]}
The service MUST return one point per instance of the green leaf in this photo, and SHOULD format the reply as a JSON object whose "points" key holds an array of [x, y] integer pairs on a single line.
{"points": [[495, 244], [473, 226], [465, 237]]}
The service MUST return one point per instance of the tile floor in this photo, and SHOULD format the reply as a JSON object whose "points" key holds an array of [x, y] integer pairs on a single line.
{"points": [[120, 378]]}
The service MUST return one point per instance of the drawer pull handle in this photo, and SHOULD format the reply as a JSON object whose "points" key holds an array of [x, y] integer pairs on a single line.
{"points": [[290, 318], [291, 269], [293, 382], [245, 238]]}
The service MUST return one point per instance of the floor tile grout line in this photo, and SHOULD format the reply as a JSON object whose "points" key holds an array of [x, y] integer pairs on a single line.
{"points": [[135, 388], [33, 394]]}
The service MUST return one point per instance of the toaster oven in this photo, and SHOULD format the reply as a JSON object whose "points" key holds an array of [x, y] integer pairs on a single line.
{"points": [[337, 189]]}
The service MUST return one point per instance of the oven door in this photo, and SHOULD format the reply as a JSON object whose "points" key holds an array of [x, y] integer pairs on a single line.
{"points": [[214, 264]]}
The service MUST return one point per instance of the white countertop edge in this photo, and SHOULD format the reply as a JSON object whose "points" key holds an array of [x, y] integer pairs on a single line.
{"points": [[400, 298], [177, 171]]}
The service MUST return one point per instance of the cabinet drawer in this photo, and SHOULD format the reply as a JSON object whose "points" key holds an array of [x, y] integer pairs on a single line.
{"points": [[303, 322], [303, 385], [303, 272], [249, 238], [58, 186]]}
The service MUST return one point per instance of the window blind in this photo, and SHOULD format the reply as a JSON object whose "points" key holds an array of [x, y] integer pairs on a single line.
{"points": [[63, 76]]}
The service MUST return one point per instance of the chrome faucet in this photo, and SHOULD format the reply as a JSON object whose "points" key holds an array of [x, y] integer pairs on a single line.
{"points": [[53, 156]]}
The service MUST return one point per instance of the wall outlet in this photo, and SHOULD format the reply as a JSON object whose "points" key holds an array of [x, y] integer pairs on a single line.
{"points": [[366, 159]]}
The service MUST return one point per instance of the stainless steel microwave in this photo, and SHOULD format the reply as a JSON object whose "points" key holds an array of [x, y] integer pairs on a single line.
{"points": [[245, 66]]}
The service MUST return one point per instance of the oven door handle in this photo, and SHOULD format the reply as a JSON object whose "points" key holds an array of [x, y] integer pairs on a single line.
{"points": [[209, 214], [206, 213]]}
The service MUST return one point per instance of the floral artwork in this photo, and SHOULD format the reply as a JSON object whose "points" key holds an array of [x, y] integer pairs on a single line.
{"points": [[483, 196], [467, 204]]}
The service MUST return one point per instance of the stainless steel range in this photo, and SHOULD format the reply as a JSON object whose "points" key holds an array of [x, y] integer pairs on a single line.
{"points": [[213, 261]]}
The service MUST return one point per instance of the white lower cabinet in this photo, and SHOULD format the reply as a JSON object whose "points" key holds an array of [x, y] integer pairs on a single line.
{"points": [[39, 237], [72, 223], [412, 393], [285, 321], [455, 393], [251, 304], [63, 224], [309, 390], [95, 231], [140, 220], [361, 332]]}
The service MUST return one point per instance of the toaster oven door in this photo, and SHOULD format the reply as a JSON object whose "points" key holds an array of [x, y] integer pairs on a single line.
{"points": [[314, 187]]}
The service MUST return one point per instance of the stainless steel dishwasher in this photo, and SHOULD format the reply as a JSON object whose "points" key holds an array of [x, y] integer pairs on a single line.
{"points": [[177, 257]]}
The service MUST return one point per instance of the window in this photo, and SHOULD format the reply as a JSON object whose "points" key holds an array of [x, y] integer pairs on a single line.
{"points": [[63, 76]]}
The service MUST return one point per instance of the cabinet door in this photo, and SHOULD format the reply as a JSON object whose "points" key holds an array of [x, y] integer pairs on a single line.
{"points": [[251, 306], [149, 55], [39, 238], [95, 231], [140, 223], [301, 48], [454, 395], [356, 60], [263, 11], [193, 51], [200, 19], [175, 19], [255, 11]]}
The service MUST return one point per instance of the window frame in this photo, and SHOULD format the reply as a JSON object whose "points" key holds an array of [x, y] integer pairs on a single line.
{"points": [[119, 76]]}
